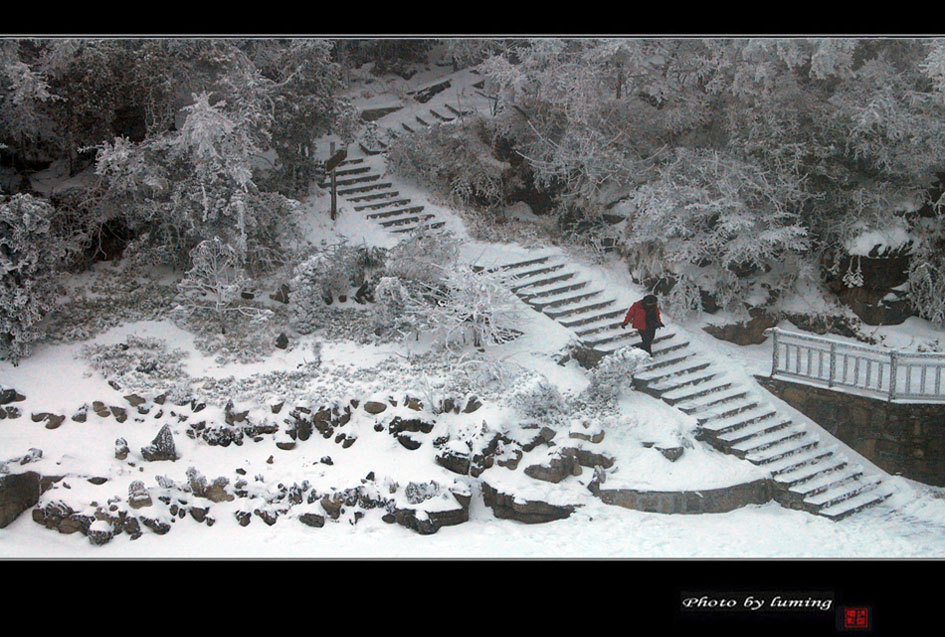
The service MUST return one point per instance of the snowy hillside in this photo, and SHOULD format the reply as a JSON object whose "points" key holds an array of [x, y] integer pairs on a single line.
{"points": [[151, 436]]}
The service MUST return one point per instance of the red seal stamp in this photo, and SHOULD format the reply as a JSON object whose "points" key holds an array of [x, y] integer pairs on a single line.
{"points": [[856, 618]]}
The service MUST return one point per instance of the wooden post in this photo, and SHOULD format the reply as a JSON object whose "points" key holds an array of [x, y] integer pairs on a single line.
{"points": [[334, 187]]}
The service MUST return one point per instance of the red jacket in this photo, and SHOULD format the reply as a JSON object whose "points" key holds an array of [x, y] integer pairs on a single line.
{"points": [[636, 316]]}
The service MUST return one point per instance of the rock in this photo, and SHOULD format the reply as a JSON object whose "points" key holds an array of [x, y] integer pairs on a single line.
{"points": [[100, 532], [156, 525], [135, 400], [114, 385], [121, 449], [413, 403], [374, 407], [415, 425], [286, 445], [18, 492], [348, 441], [199, 513], [81, 415], [282, 341], [97, 481], [557, 466], [585, 432], [671, 453], [327, 460], [472, 405], [120, 414], [244, 517], [277, 407], [447, 405], [269, 517], [408, 441], [281, 295], [138, 496], [162, 447], [12, 412], [53, 421], [312, 519], [10, 395]]}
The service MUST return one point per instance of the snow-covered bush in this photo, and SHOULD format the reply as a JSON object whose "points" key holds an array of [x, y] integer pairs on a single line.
{"points": [[31, 254], [614, 374], [537, 398], [214, 284], [456, 161], [138, 363], [927, 274], [423, 256], [329, 273]]}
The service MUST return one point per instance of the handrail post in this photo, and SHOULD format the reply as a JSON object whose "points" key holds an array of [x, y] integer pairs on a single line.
{"points": [[833, 362], [774, 353], [893, 364]]}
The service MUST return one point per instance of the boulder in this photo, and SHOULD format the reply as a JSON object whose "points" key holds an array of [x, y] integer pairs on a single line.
{"points": [[18, 492], [162, 447], [138, 496], [374, 407], [509, 506]]}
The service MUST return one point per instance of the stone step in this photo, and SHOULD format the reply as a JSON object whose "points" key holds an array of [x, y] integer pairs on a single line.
{"points": [[351, 162], [541, 270], [353, 170], [521, 264], [366, 188], [842, 492], [825, 480], [673, 357], [609, 323], [721, 423], [809, 471], [551, 289], [578, 309], [441, 117], [400, 221], [623, 335], [359, 179], [540, 280], [428, 226], [712, 401], [375, 195], [687, 365], [394, 212], [682, 380], [756, 444], [849, 506], [727, 408], [594, 317], [457, 112], [780, 451], [563, 299], [691, 392], [382, 204], [421, 121], [407, 128], [754, 431], [801, 461], [659, 351]]}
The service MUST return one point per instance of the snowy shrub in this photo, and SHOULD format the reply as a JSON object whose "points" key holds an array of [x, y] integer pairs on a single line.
{"points": [[329, 273], [614, 374], [214, 284], [537, 398], [456, 161], [423, 256], [138, 363], [30, 257], [927, 277]]}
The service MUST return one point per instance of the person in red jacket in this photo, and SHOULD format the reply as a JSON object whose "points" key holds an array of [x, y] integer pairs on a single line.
{"points": [[644, 316]]}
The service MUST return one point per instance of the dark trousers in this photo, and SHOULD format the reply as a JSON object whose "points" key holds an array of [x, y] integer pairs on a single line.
{"points": [[646, 337]]}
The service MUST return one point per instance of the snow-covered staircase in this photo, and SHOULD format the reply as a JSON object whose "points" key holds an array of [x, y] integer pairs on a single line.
{"points": [[362, 182], [732, 417]]}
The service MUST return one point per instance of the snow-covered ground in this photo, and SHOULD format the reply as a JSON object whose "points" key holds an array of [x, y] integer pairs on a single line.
{"points": [[57, 378]]}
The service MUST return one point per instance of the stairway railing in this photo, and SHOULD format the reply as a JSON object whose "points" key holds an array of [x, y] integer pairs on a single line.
{"points": [[892, 374]]}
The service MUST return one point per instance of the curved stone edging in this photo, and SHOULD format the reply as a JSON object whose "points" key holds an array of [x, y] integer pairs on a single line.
{"points": [[720, 500]]}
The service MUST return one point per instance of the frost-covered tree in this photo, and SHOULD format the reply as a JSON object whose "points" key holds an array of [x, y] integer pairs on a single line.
{"points": [[614, 374], [214, 283], [31, 255], [423, 256]]}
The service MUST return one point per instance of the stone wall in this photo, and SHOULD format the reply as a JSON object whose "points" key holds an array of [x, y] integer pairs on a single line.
{"points": [[900, 438], [719, 500]]}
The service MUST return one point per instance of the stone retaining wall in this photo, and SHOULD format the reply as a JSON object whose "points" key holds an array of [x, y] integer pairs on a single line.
{"points": [[900, 438], [720, 500]]}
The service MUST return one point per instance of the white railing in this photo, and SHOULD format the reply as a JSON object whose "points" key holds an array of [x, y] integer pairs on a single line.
{"points": [[890, 374]]}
